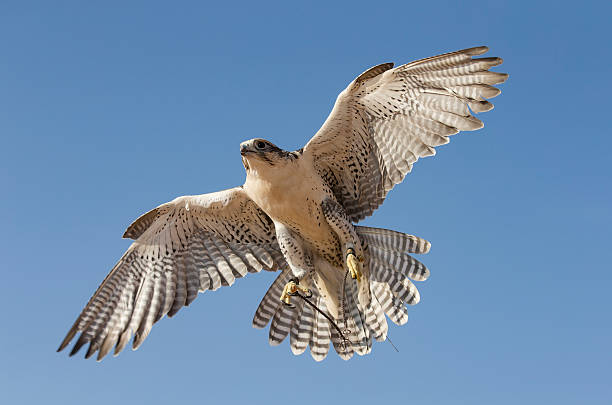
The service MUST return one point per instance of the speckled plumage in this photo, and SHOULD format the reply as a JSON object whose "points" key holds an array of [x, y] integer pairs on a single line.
{"points": [[296, 213]]}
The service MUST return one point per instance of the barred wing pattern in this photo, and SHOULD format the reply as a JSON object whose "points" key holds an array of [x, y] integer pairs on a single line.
{"points": [[386, 119], [186, 246]]}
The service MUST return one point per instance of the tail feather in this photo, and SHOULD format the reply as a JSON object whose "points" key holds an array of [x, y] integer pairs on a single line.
{"points": [[281, 324], [400, 286], [271, 301], [393, 240], [321, 336], [380, 327], [400, 262], [302, 329], [341, 345], [393, 306], [357, 310], [353, 320]]}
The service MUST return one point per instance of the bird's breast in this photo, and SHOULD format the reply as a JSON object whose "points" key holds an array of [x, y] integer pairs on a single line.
{"points": [[295, 202]]}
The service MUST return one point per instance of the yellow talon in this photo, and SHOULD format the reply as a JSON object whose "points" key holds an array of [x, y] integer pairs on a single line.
{"points": [[353, 264], [291, 288]]}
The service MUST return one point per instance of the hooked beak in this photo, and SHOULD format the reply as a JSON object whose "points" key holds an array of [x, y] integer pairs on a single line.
{"points": [[244, 149]]}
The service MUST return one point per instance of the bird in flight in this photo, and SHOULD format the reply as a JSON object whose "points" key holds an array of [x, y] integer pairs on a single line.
{"points": [[296, 214]]}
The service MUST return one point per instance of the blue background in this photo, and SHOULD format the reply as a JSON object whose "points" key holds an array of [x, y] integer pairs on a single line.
{"points": [[107, 111]]}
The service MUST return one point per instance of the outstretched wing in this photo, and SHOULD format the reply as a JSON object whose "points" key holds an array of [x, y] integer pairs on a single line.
{"points": [[386, 119], [191, 244]]}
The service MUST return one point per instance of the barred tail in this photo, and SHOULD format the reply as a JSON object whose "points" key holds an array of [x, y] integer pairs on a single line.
{"points": [[357, 310]]}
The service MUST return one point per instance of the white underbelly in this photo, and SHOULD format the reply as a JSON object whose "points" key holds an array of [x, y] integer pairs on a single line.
{"points": [[295, 201]]}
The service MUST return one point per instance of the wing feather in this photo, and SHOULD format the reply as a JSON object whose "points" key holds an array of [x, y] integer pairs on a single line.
{"points": [[180, 295], [191, 244], [151, 312], [388, 118]]}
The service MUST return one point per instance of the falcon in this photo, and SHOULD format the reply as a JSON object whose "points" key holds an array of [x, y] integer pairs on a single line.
{"points": [[296, 214]]}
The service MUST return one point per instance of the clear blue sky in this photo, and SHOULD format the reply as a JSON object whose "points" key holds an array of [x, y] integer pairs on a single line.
{"points": [[107, 111]]}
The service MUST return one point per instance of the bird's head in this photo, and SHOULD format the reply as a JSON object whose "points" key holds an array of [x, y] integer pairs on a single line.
{"points": [[260, 155]]}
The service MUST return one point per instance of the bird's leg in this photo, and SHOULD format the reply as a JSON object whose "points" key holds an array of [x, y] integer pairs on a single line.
{"points": [[351, 245], [298, 259]]}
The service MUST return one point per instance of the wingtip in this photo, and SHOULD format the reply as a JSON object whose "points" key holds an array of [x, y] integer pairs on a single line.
{"points": [[67, 339], [103, 351], [61, 347], [91, 351], [477, 50], [480, 106], [123, 340], [80, 343], [138, 340], [75, 350]]}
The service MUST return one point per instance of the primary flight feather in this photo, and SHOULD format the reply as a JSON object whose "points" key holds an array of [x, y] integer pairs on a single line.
{"points": [[296, 214]]}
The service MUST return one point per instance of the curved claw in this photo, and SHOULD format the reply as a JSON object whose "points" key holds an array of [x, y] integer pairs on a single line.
{"points": [[292, 288]]}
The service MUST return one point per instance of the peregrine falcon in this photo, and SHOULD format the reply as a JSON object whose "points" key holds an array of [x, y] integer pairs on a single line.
{"points": [[296, 214]]}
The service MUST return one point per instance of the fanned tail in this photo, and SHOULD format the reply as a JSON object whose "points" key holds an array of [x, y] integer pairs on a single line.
{"points": [[357, 310]]}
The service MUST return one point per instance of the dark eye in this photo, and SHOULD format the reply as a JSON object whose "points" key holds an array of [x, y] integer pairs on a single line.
{"points": [[260, 145]]}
